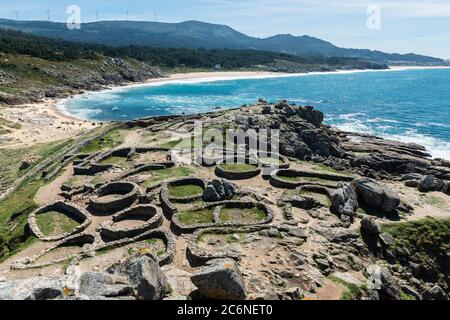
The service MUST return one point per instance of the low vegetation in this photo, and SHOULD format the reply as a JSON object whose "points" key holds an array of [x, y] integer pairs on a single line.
{"points": [[242, 215], [199, 216], [238, 167], [111, 140], [14, 209], [351, 291], [54, 223], [168, 173], [428, 242], [14, 42], [322, 198], [185, 190]]}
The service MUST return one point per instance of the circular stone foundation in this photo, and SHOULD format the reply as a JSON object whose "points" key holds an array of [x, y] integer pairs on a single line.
{"points": [[56, 214], [222, 214], [114, 196], [132, 222], [291, 179], [238, 168], [184, 190]]}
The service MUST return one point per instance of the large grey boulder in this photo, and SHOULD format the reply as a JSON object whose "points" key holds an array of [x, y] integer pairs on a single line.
{"points": [[430, 183], [102, 284], [370, 225], [376, 195], [220, 279], [344, 200], [38, 288], [146, 277], [218, 190]]}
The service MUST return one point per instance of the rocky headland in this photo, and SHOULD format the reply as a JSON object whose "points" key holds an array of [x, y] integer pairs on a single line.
{"points": [[123, 212]]}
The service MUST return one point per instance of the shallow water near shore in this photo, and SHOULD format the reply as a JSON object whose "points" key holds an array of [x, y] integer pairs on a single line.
{"points": [[407, 105]]}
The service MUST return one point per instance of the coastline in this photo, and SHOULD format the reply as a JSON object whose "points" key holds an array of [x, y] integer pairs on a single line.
{"points": [[211, 76], [59, 124]]}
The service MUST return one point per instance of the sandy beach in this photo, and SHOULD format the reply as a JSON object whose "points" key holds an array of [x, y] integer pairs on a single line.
{"points": [[41, 123], [47, 121]]}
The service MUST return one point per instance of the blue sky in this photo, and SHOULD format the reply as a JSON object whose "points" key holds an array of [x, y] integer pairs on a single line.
{"points": [[406, 25]]}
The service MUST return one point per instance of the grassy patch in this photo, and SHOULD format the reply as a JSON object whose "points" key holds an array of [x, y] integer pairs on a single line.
{"points": [[111, 140], [427, 240], [164, 174], [238, 167], [185, 190], [14, 210], [322, 198], [242, 215], [436, 201], [306, 179], [271, 161], [77, 181], [405, 296], [11, 159], [352, 291], [116, 161], [54, 223], [322, 167], [200, 216], [20, 204]]}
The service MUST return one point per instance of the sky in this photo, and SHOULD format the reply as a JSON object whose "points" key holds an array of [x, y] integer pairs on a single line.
{"points": [[403, 26]]}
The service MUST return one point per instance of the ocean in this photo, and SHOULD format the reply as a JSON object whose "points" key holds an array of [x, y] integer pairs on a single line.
{"points": [[410, 105]]}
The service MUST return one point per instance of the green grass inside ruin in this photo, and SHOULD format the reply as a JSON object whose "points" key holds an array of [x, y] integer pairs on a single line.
{"points": [[271, 161], [322, 167], [306, 179], [322, 198], [200, 216], [223, 237], [246, 215], [238, 167], [351, 291], [111, 140], [54, 223], [116, 161], [169, 173], [185, 190]]}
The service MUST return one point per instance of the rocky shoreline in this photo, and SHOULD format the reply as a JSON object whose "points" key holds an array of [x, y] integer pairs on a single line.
{"points": [[76, 79]]}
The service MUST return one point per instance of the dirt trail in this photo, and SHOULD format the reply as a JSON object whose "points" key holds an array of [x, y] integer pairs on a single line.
{"points": [[49, 192]]}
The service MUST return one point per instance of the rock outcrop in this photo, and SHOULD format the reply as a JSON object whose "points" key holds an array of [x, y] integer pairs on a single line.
{"points": [[219, 190], [345, 200], [376, 195], [146, 277], [220, 279]]}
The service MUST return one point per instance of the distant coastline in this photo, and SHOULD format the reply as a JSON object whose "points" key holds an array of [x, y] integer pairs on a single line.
{"points": [[212, 76]]}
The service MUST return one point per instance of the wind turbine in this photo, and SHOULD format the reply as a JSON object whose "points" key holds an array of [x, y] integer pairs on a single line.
{"points": [[96, 14], [128, 15], [48, 14], [17, 15]]}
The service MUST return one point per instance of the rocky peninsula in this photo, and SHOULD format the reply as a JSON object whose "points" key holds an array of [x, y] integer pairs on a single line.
{"points": [[131, 210]]}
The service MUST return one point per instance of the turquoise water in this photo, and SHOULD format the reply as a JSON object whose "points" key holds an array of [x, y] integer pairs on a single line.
{"points": [[407, 105]]}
